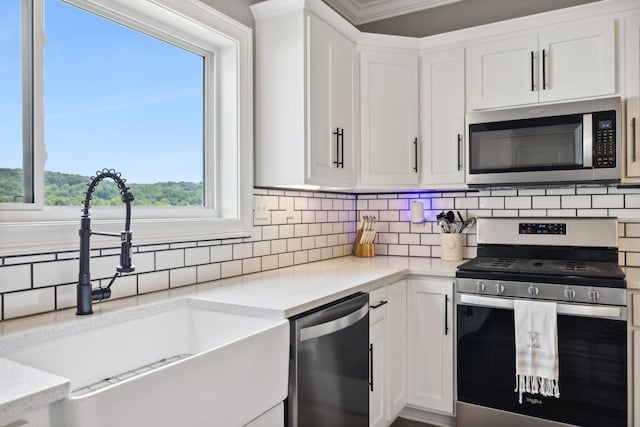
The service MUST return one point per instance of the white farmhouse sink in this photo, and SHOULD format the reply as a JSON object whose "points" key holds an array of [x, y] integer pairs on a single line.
{"points": [[178, 363]]}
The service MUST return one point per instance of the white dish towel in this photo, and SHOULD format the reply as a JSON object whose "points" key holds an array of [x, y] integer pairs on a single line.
{"points": [[536, 348]]}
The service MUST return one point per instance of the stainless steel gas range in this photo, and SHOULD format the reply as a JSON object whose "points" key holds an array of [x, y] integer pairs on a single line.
{"points": [[572, 262]]}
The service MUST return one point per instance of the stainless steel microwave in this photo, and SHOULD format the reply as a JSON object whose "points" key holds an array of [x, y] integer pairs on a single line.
{"points": [[561, 143]]}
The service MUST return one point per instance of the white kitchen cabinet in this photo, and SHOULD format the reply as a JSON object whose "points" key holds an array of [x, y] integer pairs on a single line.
{"points": [[274, 417], [430, 344], [442, 118], [632, 151], [37, 418], [388, 340], [389, 106], [307, 123], [377, 353], [396, 349], [574, 61]]}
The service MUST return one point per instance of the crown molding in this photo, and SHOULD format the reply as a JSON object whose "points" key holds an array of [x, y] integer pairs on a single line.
{"points": [[360, 12]]}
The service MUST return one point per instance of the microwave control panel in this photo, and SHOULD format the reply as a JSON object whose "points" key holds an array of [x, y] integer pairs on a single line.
{"points": [[604, 139]]}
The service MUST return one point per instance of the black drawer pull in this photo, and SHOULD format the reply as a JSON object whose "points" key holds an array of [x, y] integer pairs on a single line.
{"points": [[379, 304]]}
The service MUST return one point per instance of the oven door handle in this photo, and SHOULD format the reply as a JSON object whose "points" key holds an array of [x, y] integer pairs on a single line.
{"points": [[598, 311]]}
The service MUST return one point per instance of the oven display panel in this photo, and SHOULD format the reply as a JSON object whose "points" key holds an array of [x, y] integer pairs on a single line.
{"points": [[533, 228]]}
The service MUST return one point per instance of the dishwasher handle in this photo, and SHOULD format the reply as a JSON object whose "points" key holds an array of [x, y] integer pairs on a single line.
{"points": [[336, 325]]}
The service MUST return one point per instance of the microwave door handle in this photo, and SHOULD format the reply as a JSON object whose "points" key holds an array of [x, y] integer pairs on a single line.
{"points": [[587, 140]]}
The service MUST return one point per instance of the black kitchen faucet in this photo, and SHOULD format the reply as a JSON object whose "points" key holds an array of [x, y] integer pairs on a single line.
{"points": [[85, 293]]}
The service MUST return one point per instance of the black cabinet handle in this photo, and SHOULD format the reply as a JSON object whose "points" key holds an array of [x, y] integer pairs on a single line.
{"points": [[415, 153], [533, 87], [459, 152], [379, 305], [337, 134], [342, 148], [371, 366], [633, 139], [544, 69], [446, 314]]}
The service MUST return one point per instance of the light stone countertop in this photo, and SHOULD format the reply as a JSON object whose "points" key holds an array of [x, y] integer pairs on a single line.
{"points": [[277, 293], [18, 393], [633, 277]]}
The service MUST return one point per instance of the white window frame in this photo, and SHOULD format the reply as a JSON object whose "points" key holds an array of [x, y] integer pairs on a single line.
{"points": [[228, 211]]}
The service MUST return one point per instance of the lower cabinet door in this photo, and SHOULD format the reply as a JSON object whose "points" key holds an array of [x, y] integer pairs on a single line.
{"points": [[377, 416], [396, 349], [430, 346]]}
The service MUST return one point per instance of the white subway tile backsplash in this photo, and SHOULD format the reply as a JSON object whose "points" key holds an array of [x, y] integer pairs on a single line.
{"points": [[575, 202], [517, 202], [608, 201], [531, 192], [151, 282], [420, 251], [301, 257], [221, 253], [546, 202], [285, 260], [309, 227], [124, 286], [632, 201], [25, 303], [182, 277], [231, 268], [15, 278], [195, 256], [270, 232], [466, 203], [208, 272], [262, 248], [491, 203], [409, 239], [169, 259], [278, 246], [251, 265], [243, 250], [55, 273]]}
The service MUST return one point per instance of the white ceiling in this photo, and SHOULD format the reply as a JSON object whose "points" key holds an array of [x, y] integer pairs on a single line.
{"points": [[363, 11]]}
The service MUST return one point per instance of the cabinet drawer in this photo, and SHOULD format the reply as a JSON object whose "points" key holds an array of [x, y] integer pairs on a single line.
{"points": [[377, 304], [635, 306]]}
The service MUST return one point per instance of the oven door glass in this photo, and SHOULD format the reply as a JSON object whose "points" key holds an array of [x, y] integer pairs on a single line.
{"points": [[592, 359], [538, 144]]}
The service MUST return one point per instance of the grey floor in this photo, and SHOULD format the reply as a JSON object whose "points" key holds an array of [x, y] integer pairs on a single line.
{"points": [[403, 422]]}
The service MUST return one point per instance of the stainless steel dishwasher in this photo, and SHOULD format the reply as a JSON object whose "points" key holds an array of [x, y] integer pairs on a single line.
{"points": [[329, 365]]}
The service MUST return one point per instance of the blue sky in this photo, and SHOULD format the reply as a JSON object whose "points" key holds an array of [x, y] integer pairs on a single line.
{"points": [[114, 98]]}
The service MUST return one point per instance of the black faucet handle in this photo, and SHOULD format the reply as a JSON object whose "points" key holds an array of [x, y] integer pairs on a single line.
{"points": [[125, 253]]}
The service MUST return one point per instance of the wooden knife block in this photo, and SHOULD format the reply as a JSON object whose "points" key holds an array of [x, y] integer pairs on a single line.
{"points": [[363, 250]]}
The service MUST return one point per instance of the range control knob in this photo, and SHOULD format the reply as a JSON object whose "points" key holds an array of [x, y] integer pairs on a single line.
{"points": [[569, 293], [480, 286], [593, 295], [499, 288], [533, 291]]}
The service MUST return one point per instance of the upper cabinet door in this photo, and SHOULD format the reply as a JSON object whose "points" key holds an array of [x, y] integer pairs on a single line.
{"points": [[442, 119], [331, 86], [503, 72], [577, 62], [572, 62], [389, 100], [632, 150]]}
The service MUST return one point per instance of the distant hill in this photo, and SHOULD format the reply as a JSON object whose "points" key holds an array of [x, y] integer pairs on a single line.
{"points": [[65, 189]]}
